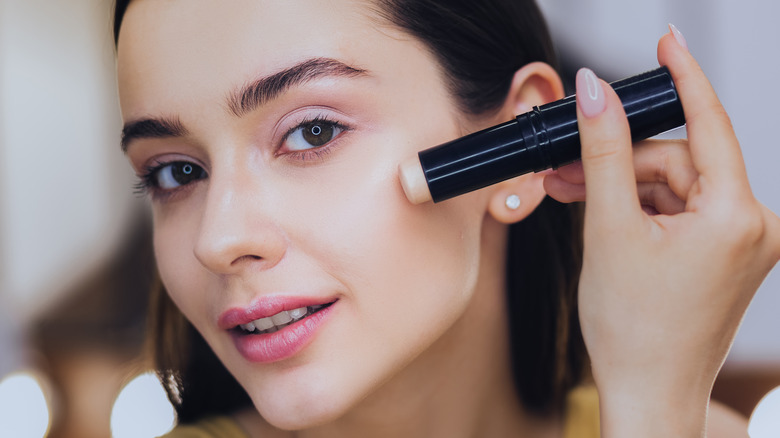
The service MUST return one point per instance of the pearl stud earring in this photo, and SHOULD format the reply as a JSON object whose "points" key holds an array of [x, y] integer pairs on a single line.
{"points": [[512, 202]]}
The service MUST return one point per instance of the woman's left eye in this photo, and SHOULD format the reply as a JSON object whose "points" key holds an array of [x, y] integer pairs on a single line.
{"points": [[313, 134]]}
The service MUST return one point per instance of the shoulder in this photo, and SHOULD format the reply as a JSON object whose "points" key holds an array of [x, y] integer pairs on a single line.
{"points": [[724, 422], [211, 427]]}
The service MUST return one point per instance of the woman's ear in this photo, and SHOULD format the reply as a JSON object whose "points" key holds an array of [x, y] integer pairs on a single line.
{"points": [[534, 84]]}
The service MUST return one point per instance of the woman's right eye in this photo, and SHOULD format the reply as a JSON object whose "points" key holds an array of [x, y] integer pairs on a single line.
{"points": [[167, 177]]}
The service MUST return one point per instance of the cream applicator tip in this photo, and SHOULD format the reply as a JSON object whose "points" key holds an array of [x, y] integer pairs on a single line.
{"points": [[413, 181]]}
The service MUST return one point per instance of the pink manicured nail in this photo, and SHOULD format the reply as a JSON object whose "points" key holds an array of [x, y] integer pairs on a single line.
{"points": [[590, 95], [678, 36]]}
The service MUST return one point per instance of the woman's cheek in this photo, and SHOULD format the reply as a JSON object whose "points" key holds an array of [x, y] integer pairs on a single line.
{"points": [[179, 270], [404, 264]]}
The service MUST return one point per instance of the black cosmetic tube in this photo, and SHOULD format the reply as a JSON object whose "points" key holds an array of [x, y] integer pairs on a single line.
{"points": [[546, 137]]}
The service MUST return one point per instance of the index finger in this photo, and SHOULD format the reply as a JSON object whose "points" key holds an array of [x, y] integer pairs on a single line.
{"points": [[714, 147]]}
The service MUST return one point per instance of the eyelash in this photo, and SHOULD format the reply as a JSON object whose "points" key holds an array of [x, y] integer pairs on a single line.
{"points": [[148, 185], [315, 153]]}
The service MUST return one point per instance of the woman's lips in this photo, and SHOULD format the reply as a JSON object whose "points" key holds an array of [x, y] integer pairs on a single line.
{"points": [[266, 307], [286, 338]]}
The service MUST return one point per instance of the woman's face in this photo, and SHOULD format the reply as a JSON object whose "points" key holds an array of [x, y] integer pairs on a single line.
{"points": [[270, 134]]}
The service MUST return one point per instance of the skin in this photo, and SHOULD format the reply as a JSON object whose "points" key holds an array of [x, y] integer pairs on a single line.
{"points": [[409, 351]]}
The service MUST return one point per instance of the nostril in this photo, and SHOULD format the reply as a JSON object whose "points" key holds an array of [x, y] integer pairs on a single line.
{"points": [[248, 257]]}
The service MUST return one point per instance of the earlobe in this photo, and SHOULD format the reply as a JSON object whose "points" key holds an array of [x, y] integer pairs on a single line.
{"points": [[534, 84]]}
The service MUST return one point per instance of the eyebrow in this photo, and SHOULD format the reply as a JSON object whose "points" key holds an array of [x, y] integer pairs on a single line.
{"points": [[246, 98], [256, 93], [151, 128]]}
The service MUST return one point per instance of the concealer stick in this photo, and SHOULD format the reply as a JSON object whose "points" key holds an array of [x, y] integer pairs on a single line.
{"points": [[543, 138]]}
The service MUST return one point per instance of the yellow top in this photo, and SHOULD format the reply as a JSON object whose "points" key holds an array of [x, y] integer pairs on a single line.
{"points": [[582, 420], [582, 413], [212, 427]]}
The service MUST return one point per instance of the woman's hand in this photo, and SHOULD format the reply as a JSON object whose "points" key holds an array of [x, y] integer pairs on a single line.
{"points": [[675, 247]]}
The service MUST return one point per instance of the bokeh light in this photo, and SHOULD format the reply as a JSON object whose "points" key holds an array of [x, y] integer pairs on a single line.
{"points": [[765, 421], [24, 412], [142, 409]]}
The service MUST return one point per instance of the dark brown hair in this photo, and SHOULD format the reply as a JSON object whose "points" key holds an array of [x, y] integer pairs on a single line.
{"points": [[479, 46]]}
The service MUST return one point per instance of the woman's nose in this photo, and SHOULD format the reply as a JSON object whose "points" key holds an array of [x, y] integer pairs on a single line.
{"points": [[236, 232]]}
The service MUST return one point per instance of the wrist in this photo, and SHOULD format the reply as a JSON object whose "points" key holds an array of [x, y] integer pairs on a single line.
{"points": [[645, 408]]}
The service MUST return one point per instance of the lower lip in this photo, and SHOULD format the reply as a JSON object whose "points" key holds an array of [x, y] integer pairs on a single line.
{"points": [[282, 344]]}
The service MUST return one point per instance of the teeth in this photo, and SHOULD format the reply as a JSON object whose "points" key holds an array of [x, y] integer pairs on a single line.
{"points": [[280, 320], [298, 313], [263, 323]]}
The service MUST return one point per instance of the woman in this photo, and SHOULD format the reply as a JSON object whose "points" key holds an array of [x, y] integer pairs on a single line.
{"points": [[268, 136]]}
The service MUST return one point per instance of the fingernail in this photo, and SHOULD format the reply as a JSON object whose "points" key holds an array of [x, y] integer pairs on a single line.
{"points": [[678, 36], [590, 95]]}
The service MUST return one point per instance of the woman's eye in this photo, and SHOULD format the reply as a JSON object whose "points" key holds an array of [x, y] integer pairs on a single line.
{"points": [[312, 134], [173, 175]]}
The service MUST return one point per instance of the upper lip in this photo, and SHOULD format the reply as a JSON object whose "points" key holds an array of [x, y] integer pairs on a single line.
{"points": [[265, 307]]}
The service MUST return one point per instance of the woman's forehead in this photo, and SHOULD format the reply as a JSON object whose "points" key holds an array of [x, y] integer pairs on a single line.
{"points": [[188, 59], [199, 33], [198, 45]]}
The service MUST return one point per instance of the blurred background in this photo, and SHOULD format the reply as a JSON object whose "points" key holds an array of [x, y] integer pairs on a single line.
{"points": [[75, 259]]}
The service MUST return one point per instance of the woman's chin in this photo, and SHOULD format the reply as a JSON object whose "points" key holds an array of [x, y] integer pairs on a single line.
{"points": [[300, 410], [300, 416]]}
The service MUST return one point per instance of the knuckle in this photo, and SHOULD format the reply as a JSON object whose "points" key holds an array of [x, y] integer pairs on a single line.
{"points": [[666, 162], [742, 225], [603, 152], [669, 157], [711, 112], [678, 153]]}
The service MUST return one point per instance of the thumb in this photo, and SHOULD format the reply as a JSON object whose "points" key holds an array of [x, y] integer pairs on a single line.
{"points": [[610, 182]]}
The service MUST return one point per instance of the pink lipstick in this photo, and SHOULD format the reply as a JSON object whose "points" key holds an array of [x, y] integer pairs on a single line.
{"points": [[275, 328]]}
